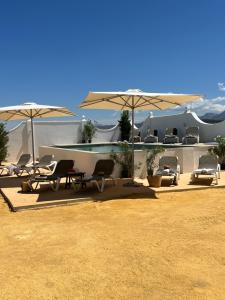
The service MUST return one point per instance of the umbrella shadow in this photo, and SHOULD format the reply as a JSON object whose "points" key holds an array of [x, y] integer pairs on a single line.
{"points": [[45, 194], [11, 181]]}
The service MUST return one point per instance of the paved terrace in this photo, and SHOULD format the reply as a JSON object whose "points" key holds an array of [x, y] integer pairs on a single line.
{"points": [[45, 197]]}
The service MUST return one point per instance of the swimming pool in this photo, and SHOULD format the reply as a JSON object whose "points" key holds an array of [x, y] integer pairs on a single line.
{"points": [[86, 155], [109, 147]]}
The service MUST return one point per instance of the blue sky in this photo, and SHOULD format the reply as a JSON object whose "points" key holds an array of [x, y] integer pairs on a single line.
{"points": [[54, 52]]}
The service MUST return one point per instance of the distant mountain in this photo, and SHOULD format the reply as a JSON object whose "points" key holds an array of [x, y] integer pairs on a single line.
{"points": [[209, 116], [213, 118], [221, 116], [104, 126]]}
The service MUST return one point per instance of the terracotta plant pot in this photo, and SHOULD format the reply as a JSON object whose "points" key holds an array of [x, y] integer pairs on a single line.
{"points": [[154, 181]]}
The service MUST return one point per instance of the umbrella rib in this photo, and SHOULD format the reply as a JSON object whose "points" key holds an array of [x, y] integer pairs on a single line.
{"points": [[162, 100], [126, 102], [90, 102], [13, 113], [37, 111], [58, 110], [104, 99], [124, 105], [149, 103], [136, 104]]}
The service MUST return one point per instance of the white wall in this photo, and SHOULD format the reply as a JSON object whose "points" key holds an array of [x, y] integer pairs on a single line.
{"points": [[84, 161], [18, 142], [70, 132], [106, 135], [180, 121], [48, 133]]}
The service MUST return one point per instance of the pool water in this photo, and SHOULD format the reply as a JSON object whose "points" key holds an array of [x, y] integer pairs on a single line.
{"points": [[107, 148]]}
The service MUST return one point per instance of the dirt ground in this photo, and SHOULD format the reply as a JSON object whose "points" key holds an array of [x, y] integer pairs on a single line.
{"points": [[167, 248]]}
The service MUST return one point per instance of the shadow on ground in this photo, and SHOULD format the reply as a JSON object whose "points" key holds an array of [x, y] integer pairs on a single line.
{"points": [[44, 196]]}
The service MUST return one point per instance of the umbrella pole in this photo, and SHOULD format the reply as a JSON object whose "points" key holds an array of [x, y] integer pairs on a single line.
{"points": [[132, 183], [132, 137], [32, 138]]}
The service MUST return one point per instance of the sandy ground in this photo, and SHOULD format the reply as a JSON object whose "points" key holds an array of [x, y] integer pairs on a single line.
{"points": [[167, 248]]}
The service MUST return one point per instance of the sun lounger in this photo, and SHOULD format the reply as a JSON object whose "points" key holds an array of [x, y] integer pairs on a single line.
{"points": [[170, 137], [61, 169], [208, 166], [21, 166], [168, 166], [46, 162], [103, 169], [4, 169], [151, 137], [192, 136], [137, 139]]}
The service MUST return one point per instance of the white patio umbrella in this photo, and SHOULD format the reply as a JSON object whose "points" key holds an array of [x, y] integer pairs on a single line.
{"points": [[31, 111], [135, 99]]}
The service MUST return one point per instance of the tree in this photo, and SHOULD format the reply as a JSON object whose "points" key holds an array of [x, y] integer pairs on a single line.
{"points": [[3, 142], [125, 126]]}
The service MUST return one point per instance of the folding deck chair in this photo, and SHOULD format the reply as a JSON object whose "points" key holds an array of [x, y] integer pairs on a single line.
{"points": [[169, 166], [46, 162], [103, 169], [170, 137], [151, 137], [21, 166], [208, 166], [192, 136], [60, 171]]}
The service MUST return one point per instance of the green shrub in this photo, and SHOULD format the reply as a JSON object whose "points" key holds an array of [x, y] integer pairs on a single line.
{"points": [[88, 131], [219, 149], [124, 159]]}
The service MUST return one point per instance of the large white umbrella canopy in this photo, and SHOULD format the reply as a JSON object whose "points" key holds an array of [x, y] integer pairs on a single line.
{"points": [[135, 99], [30, 111]]}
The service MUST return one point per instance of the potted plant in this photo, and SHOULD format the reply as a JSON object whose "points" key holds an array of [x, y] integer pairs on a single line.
{"points": [[88, 131], [125, 126], [219, 150], [153, 180], [3, 142], [124, 159]]}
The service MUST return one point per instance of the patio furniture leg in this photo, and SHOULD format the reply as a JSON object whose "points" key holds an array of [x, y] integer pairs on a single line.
{"points": [[216, 178], [98, 187], [55, 185], [218, 171], [103, 185]]}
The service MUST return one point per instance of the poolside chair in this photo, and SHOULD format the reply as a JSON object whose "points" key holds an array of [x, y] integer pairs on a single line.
{"points": [[169, 166], [61, 169], [208, 166], [170, 137], [103, 169], [151, 137], [191, 136], [46, 162], [137, 139], [21, 166]]}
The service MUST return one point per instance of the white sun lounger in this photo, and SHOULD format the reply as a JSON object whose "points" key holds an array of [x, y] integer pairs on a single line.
{"points": [[208, 166]]}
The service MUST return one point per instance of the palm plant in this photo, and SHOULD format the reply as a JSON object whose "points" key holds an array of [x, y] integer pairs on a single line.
{"points": [[124, 159], [150, 160]]}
